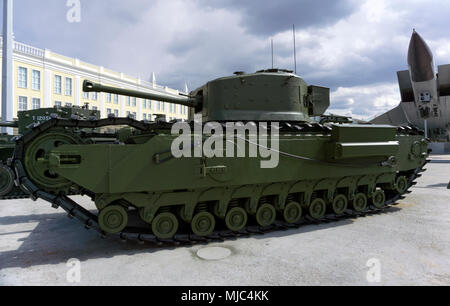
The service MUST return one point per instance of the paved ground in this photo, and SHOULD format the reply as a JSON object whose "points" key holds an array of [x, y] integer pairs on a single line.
{"points": [[411, 243]]}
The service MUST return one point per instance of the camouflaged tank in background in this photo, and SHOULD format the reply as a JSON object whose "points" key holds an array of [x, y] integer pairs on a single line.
{"points": [[326, 171], [26, 121]]}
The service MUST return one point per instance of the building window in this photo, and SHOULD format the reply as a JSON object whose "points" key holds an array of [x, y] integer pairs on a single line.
{"points": [[116, 99], [94, 108], [149, 104], [134, 116], [144, 104], [36, 103], [128, 114], [22, 77], [58, 103], [133, 102], [86, 95], [108, 111], [58, 84], [94, 96], [36, 80], [23, 103], [108, 98], [68, 87], [128, 101], [116, 113], [144, 116], [68, 104]]}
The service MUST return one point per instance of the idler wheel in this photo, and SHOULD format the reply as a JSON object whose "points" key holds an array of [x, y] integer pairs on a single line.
{"points": [[113, 219], [266, 215], [203, 224], [401, 184], [165, 225], [6, 180], [360, 202], [236, 219], [378, 199], [340, 204], [317, 209], [292, 212], [36, 160]]}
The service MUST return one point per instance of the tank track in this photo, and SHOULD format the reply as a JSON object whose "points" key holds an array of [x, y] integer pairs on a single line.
{"points": [[142, 236], [16, 195]]}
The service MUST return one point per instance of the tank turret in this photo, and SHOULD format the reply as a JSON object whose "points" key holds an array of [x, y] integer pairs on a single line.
{"points": [[267, 95]]}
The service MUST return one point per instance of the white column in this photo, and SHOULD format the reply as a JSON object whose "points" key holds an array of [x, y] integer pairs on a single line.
{"points": [[139, 103], [122, 106], [47, 88], [139, 114], [14, 108], [7, 67], [102, 104], [77, 90]]}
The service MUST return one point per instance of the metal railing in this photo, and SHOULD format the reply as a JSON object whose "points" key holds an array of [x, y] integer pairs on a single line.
{"points": [[25, 49]]}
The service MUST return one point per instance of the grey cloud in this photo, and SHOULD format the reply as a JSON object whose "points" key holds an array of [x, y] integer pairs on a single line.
{"points": [[271, 17], [199, 40]]}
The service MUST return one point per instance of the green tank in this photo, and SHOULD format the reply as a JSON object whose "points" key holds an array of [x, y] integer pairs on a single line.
{"points": [[26, 121], [145, 191]]}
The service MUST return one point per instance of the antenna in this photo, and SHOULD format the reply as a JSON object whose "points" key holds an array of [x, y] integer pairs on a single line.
{"points": [[295, 49], [272, 53]]}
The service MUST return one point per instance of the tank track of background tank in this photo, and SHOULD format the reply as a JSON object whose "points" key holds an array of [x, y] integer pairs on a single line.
{"points": [[15, 194], [142, 236]]}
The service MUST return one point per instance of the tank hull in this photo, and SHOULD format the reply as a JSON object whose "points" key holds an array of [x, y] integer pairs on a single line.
{"points": [[337, 169]]}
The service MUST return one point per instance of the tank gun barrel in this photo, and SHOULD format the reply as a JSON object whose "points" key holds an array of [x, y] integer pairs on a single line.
{"points": [[9, 124], [89, 86]]}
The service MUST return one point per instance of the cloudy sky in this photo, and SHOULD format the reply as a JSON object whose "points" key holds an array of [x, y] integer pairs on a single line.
{"points": [[354, 47]]}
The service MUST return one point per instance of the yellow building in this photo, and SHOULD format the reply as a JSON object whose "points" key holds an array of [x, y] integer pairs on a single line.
{"points": [[45, 79]]}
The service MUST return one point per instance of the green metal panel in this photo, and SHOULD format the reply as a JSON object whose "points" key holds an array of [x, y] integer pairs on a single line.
{"points": [[363, 133], [364, 149], [319, 100]]}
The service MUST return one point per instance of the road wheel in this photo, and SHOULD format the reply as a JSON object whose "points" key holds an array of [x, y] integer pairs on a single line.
{"points": [[6, 180], [113, 219], [203, 224], [236, 219], [401, 184], [340, 204], [378, 199], [292, 213], [360, 202], [266, 215], [165, 225], [317, 209]]}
